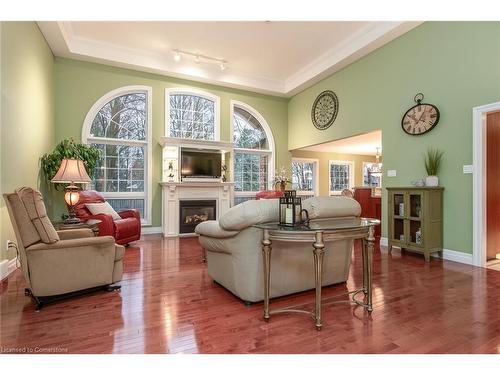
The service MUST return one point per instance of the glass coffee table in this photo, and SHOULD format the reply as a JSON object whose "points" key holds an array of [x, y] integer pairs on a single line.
{"points": [[317, 233]]}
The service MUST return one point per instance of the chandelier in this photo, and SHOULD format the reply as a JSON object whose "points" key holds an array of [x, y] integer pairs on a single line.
{"points": [[376, 168]]}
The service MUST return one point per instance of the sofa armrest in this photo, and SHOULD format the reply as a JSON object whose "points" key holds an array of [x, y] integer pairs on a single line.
{"points": [[70, 234], [130, 213], [106, 226], [106, 241], [211, 228]]}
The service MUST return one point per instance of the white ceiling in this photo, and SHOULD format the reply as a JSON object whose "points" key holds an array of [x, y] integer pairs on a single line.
{"points": [[279, 58], [364, 144]]}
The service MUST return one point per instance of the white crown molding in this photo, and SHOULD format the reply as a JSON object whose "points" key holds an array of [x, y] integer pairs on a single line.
{"points": [[65, 43], [361, 43]]}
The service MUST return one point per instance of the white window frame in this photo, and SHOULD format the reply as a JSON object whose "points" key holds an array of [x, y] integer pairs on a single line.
{"points": [[351, 165], [270, 140], [87, 139], [315, 162], [194, 92], [364, 165]]}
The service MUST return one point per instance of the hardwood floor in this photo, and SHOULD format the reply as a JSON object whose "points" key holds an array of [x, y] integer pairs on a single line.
{"points": [[169, 304]]}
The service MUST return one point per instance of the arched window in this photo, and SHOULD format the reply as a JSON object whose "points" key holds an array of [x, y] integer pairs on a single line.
{"points": [[118, 125], [191, 114], [253, 152]]}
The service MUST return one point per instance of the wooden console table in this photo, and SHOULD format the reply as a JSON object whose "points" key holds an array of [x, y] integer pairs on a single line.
{"points": [[316, 233]]}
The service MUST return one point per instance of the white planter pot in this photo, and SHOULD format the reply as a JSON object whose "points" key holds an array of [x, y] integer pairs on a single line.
{"points": [[431, 181]]}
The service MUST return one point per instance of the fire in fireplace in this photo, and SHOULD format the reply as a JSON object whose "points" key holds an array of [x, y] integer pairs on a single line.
{"points": [[193, 212]]}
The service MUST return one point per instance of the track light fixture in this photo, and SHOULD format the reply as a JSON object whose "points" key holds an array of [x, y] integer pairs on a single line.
{"points": [[198, 58]]}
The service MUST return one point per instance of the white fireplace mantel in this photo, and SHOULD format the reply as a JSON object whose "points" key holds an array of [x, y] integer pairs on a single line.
{"points": [[173, 192]]}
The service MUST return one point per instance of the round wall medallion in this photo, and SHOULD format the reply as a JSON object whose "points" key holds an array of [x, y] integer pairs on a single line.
{"points": [[324, 110]]}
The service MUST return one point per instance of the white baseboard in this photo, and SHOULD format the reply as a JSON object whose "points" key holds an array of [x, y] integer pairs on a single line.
{"points": [[453, 255], [384, 241], [151, 230], [7, 267]]}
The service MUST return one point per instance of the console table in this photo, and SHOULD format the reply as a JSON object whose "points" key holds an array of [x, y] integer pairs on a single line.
{"points": [[315, 233]]}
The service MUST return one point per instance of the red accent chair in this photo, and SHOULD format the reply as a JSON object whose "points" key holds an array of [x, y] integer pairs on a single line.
{"points": [[269, 194], [125, 230]]}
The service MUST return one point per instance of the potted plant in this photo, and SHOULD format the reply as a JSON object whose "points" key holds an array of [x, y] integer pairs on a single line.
{"points": [[281, 178], [69, 149], [432, 160]]}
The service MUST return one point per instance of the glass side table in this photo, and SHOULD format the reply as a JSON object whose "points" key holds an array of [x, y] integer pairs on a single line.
{"points": [[316, 232]]}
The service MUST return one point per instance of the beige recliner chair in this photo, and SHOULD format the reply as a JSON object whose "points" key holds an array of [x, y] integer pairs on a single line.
{"points": [[234, 254], [55, 263]]}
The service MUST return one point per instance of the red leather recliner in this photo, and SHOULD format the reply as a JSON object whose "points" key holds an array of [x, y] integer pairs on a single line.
{"points": [[125, 230], [269, 194]]}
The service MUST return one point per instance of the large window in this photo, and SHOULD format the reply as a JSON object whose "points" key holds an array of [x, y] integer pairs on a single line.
{"points": [[368, 178], [117, 125], [191, 114], [341, 176], [253, 152], [305, 176]]}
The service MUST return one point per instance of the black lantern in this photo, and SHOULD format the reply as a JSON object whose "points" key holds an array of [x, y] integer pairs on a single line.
{"points": [[290, 209]]}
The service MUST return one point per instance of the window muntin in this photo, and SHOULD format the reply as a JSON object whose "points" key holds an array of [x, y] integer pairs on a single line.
{"points": [[192, 117], [341, 175], [248, 132], [123, 117], [250, 172], [304, 175], [118, 125], [253, 160]]}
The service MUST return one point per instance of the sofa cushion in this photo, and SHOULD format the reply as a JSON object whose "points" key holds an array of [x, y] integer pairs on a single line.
{"points": [[33, 203], [27, 231], [336, 206], [102, 208], [249, 213]]}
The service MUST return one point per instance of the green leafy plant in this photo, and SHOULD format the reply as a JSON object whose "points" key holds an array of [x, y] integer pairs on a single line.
{"points": [[432, 159], [69, 149]]}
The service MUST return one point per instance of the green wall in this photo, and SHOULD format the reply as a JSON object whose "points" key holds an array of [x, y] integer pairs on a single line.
{"points": [[27, 113], [457, 67], [79, 84], [323, 166]]}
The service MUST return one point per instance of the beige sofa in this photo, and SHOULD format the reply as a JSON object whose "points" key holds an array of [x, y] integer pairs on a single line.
{"points": [[234, 253], [53, 262]]}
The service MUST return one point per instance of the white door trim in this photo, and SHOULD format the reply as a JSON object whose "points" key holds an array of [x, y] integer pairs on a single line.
{"points": [[479, 181]]}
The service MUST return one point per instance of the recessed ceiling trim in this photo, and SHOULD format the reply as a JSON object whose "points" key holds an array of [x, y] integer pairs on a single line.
{"points": [[64, 42]]}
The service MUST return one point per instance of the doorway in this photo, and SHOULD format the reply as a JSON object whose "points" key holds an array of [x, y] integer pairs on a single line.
{"points": [[492, 188], [486, 195]]}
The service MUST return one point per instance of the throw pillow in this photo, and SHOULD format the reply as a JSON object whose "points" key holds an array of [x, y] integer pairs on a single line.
{"points": [[33, 202], [102, 208]]}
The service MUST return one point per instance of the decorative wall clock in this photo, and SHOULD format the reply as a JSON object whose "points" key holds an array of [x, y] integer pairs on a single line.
{"points": [[324, 110], [420, 118]]}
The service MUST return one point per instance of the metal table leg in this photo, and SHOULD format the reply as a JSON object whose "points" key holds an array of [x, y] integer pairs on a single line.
{"points": [[266, 255], [368, 246], [319, 250]]}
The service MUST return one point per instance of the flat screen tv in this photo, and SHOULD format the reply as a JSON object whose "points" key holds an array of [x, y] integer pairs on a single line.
{"points": [[200, 164]]}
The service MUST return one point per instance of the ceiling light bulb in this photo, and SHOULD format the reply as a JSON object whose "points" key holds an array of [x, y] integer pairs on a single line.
{"points": [[222, 66], [177, 56]]}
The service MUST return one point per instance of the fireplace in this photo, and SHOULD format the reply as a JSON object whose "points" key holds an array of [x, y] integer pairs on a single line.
{"points": [[193, 212]]}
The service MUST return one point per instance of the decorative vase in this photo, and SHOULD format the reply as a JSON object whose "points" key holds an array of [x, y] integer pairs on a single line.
{"points": [[431, 181], [283, 186]]}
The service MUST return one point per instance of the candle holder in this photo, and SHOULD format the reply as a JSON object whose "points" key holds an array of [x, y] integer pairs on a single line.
{"points": [[290, 209]]}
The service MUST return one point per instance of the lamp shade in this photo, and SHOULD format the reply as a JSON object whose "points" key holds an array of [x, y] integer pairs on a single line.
{"points": [[71, 170]]}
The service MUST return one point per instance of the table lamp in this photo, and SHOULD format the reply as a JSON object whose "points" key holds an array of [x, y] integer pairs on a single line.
{"points": [[71, 171]]}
